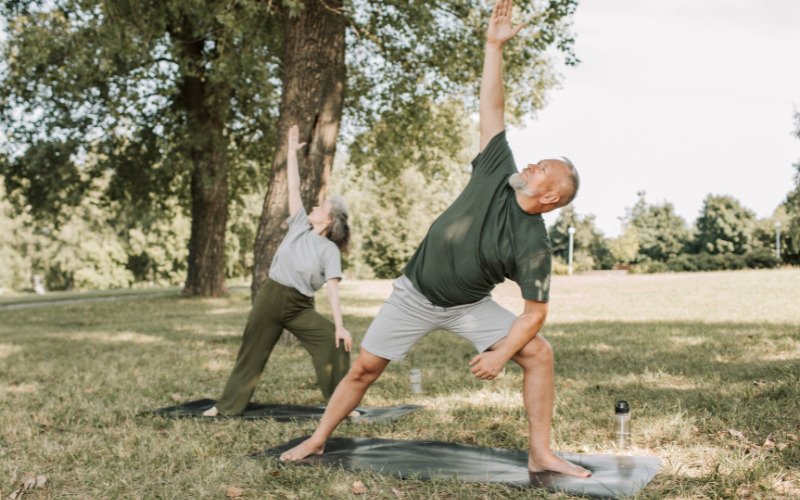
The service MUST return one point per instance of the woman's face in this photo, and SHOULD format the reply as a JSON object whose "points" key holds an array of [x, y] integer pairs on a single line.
{"points": [[321, 214]]}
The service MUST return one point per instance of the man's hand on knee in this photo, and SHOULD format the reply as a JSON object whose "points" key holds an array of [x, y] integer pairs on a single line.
{"points": [[487, 365]]}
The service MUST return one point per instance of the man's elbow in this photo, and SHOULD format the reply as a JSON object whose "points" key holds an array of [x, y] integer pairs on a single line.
{"points": [[534, 320]]}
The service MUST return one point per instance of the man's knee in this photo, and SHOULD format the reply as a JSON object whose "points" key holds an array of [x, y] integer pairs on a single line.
{"points": [[367, 368], [537, 349]]}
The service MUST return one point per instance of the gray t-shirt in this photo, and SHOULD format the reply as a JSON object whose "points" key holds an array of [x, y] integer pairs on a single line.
{"points": [[305, 260]]}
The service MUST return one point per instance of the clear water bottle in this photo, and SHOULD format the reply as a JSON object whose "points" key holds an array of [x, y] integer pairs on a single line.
{"points": [[622, 423], [416, 381]]}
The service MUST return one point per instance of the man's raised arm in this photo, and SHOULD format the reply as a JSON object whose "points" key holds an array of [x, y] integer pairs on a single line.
{"points": [[492, 96]]}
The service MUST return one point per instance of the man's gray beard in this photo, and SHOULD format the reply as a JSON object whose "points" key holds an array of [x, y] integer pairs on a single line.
{"points": [[517, 183]]}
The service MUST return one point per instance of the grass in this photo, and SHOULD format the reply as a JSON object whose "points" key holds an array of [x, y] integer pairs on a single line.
{"points": [[697, 355]]}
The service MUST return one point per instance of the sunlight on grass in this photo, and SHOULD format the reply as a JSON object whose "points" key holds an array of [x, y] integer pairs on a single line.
{"points": [[110, 338], [485, 398], [229, 310], [7, 350], [363, 311], [26, 388], [697, 356], [688, 341], [217, 365], [661, 380]]}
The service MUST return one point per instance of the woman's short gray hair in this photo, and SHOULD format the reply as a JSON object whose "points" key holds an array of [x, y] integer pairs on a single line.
{"points": [[339, 230]]}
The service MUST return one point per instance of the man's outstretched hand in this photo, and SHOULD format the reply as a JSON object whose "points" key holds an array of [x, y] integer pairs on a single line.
{"points": [[500, 29]]}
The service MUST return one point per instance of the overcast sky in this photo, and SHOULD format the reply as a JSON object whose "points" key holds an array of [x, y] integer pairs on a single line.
{"points": [[678, 98]]}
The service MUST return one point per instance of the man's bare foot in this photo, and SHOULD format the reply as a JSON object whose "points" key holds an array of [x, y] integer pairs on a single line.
{"points": [[554, 463], [301, 451], [211, 412]]}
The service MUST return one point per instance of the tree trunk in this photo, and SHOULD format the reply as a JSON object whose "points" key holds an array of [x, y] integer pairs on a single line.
{"points": [[204, 106], [313, 78]]}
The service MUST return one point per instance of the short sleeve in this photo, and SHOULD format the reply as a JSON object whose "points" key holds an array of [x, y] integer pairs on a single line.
{"points": [[497, 154], [533, 274], [298, 222], [331, 262]]}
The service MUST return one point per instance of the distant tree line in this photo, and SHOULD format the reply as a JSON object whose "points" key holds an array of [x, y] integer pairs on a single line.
{"points": [[394, 194]]}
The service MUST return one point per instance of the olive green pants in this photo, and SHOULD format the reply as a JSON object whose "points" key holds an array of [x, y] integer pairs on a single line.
{"points": [[277, 307]]}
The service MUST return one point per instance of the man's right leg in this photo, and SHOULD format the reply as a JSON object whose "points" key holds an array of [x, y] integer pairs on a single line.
{"points": [[348, 394], [405, 317], [538, 396]]}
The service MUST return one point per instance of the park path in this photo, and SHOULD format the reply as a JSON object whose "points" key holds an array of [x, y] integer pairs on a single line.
{"points": [[32, 304]]}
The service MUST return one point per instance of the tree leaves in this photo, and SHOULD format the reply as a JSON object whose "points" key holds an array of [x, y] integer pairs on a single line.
{"points": [[724, 226]]}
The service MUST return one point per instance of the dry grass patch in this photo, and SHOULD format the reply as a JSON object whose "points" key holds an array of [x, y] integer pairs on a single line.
{"points": [[694, 363]]}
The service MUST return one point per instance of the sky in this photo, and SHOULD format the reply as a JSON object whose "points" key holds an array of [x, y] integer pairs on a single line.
{"points": [[677, 98]]}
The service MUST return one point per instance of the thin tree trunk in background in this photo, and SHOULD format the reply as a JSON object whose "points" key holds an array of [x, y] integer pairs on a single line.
{"points": [[313, 76], [209, 180]]}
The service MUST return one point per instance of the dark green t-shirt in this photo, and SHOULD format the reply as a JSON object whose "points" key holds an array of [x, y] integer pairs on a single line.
{"points": [[483, 238]]}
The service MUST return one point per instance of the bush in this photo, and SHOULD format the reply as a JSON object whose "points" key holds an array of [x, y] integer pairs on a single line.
{"points": [[760, 258], [649, 267]]}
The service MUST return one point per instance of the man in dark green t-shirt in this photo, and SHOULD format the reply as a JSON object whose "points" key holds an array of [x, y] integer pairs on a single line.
{"points": [[494, 230]]}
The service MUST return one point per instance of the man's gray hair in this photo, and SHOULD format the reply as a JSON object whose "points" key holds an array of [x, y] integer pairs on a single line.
{"points": [[339, 231], [573, 181]]}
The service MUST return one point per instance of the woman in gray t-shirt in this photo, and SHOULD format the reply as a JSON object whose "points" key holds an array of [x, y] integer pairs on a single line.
{"points": [[308, 257]]}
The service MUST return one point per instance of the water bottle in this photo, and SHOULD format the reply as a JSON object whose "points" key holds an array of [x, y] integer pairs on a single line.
{"points": [[416, 381], [622, 423]]}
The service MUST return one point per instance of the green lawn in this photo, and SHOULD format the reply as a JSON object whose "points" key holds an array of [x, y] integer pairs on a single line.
{"points": [[710, 363]]}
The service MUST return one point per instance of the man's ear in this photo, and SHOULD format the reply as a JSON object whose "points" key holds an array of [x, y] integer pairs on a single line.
{"points": [[549, 198]]}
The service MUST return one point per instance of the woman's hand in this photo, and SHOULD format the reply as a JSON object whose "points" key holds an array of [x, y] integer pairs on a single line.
{"points": [[292, 137], [500, 29], [344, 335]]}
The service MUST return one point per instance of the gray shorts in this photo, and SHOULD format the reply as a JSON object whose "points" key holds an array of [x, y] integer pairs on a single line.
{"points": [[407, 316]]}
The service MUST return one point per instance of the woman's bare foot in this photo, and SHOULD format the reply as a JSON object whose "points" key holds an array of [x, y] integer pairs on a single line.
{"points": [[211, 412], [554, 463], [301, 451]]}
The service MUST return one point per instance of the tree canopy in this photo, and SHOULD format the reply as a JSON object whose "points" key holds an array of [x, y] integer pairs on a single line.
{"points": [[189, 99], [660, 233], [724, 226]]}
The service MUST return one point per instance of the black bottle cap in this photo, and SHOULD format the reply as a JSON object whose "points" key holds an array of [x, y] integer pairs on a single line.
{"points": [[621, 406]]}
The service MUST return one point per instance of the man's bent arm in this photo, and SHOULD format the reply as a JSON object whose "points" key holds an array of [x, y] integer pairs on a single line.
{"points": [[524, 328], [487, 365], [492, 95]]}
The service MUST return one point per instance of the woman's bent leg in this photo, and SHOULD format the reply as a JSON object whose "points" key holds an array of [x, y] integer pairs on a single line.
{"points": [[317, 334]]}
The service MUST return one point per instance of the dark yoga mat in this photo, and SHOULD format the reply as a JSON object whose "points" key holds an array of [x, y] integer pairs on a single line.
{"points": [[612, 476], [281, 413]]}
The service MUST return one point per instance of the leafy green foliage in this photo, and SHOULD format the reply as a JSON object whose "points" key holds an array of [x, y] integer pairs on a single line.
{"points": [[97, 245], [625, 247], [660, 233], [139, 86], [15, 270], [590, 249], [403, 55], [241, 234], [724, 226], [791, 209], [394, 194]]}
